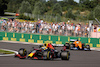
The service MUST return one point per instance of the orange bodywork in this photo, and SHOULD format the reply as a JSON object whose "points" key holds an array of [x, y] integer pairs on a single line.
{"points": [[50, 46], [78, 44]]}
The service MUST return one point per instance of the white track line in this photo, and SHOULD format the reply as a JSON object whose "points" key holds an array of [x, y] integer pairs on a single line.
{"points": [[95, 49], [9, 54]]}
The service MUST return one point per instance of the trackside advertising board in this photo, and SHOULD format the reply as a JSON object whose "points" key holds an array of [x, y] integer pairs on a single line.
{"points": [[37, 38]]}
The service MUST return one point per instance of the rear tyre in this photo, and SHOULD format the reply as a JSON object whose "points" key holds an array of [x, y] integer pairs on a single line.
{"points": [[65, 55], [71, 46], [82, 47], [67, 45], [88, 47], [22, 52], [78, 48]]}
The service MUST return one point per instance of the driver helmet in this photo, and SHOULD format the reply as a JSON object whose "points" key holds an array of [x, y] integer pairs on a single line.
{"points": [[45, 44]]}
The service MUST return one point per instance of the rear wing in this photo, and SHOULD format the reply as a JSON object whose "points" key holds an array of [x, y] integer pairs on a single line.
{"points": [[58, 45], [72, 40]]}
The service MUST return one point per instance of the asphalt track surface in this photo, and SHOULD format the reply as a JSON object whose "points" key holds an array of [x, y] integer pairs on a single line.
{"points": [[77, 58]]}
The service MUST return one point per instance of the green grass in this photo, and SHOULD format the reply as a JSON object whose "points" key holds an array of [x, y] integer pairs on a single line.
{"points": [[6, 52], [3, 18]]}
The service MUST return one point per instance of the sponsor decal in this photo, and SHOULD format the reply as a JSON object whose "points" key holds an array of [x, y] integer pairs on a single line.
{"points": [[68, 38], [89, 40], [48, 42], [5, 38], [31, 40], [58, 42], [40, 41], [22, 39], [13, 39], [98, 45]]}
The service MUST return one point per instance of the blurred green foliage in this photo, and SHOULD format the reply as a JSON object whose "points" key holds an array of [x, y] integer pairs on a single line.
{"points": [[3, 6], [48, 10]]}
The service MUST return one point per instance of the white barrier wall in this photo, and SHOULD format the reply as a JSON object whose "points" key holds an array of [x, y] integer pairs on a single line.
{"points": [[95, 34]]}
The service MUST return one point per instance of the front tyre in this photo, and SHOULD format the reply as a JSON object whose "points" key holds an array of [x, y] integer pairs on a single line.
{"points": [[65, 55], [47, 55], [22, 52]]}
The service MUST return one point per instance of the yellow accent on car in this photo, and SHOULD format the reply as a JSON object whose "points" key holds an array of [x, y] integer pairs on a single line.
{"points": [[44, 47], [67, 55], [24, 51], [30, 55], [48, 54]]}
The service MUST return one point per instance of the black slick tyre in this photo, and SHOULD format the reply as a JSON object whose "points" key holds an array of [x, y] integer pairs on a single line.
{"points": [[22, 52], [47, 55], [65, 55]]}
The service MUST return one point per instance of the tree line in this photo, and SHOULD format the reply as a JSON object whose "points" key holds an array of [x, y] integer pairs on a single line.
{"points": [[62, 8]]}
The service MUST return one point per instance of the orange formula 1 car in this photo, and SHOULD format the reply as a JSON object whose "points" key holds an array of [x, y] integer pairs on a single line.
{"points": [[75, 44]]}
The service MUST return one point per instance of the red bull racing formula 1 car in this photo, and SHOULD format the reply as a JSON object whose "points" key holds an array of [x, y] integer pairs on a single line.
{"points": [[44, 52]]}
